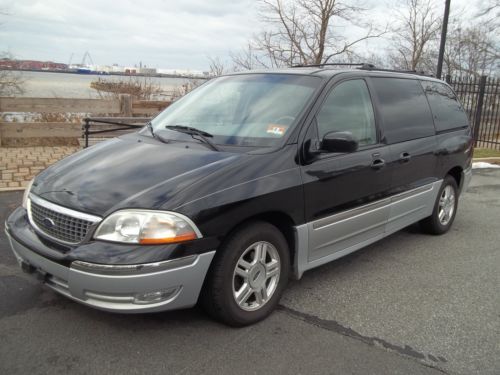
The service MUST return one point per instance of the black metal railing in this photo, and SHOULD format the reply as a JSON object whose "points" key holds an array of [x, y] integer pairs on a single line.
{"points": [[480, 97], [111, 124]]}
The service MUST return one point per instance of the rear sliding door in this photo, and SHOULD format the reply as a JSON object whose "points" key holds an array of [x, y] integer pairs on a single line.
{"points": [[407, 127]]}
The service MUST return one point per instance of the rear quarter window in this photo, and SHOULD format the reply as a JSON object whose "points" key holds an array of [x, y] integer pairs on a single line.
{"points": [[446, 109], [404, 109]]}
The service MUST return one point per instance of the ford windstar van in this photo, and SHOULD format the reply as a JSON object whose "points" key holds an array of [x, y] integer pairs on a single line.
{"points": [[247, 181]]}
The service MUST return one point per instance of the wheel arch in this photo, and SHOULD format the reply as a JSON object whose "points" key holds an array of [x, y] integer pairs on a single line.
{"points": [[282, 221], [456, 173]]}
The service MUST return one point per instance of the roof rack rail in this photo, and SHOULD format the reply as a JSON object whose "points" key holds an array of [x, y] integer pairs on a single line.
{"points": [[365, 66], [419, 72], [362, 65]]}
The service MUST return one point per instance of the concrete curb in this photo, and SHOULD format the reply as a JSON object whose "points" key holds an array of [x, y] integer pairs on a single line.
{"points": [[12, 189], [490, 159]]}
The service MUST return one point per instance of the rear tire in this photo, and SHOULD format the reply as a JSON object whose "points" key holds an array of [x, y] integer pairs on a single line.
{"points": [[247, 276], [445, 208]]}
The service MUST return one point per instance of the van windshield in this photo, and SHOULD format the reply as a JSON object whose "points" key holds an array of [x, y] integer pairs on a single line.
{"points": [[254, 110]]}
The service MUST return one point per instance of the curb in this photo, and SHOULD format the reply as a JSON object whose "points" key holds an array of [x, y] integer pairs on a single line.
{"points": [[12, 189], [494, 158]]}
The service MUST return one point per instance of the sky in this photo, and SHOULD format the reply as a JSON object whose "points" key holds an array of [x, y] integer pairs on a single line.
{"points": [[165, 34]]}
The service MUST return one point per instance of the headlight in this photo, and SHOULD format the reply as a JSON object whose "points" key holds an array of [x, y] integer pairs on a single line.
{"points": [[147, 227], [27, 193]]}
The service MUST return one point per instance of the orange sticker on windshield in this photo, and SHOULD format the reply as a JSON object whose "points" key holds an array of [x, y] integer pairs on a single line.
{"points": [[276, 129]]}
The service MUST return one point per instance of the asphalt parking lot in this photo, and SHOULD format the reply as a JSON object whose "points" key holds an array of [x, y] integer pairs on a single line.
{"points": [[409, 304]]}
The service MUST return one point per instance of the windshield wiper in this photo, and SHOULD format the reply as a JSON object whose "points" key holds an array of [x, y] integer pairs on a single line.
{"points": [[156, 136], [192, 132]]}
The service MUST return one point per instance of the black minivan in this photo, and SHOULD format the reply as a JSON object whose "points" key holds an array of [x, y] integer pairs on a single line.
{"points": [[247, 181]]}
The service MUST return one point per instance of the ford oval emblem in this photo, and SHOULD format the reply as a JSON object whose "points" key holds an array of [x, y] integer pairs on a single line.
{"points": [[48, 223]]}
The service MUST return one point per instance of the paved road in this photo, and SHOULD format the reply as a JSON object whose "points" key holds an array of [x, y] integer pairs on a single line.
{"points": [[410, 304]]}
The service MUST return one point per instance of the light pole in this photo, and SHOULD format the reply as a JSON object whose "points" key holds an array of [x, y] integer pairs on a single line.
{"points": [[442, 44]]}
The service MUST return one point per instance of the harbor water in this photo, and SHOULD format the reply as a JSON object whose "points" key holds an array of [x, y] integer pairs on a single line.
{"points": [[70, 85]]}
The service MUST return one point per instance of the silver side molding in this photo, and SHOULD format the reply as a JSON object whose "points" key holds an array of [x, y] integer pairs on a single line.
{"points": [[326, 239]]}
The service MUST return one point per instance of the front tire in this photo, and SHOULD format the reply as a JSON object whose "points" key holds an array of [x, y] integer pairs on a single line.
{"points": [[247, 276], [445, 208]]}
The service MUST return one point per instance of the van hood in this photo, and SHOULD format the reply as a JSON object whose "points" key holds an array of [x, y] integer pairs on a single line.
{"points": [[133, 172]]}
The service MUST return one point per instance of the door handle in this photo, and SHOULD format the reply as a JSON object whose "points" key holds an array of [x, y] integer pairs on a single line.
{"points": [[378, 163], [404, 157]]}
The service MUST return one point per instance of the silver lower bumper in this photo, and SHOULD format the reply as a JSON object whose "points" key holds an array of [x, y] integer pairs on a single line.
{"points": [[133, 292]]}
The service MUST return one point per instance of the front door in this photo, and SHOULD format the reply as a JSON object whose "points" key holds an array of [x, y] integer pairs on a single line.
{"points": [[346, 200]]}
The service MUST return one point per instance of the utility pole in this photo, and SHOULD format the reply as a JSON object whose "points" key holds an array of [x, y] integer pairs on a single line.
{"points": [[442, 44]]}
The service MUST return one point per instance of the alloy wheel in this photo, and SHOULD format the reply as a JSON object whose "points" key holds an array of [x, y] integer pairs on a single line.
{"points": [[256, 276], [446, 205]]}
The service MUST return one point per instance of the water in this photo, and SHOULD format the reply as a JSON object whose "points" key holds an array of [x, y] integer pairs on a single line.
{"points": [[67, 85]]}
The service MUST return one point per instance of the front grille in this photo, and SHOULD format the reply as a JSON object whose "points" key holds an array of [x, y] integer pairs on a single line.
{"points": [[57, 225]]}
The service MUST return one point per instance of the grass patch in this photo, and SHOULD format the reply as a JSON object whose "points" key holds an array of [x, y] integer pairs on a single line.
{"points": [[486, 153]]}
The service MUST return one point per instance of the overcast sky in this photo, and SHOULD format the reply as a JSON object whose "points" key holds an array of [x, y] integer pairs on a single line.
{"points": [[160, 33]]}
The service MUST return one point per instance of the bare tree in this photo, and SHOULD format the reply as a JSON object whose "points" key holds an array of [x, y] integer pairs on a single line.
{"points": [[489, 6], [248, 58], [414, 35], [472, 50], [217, 66], [303, 32], [139, 88], [11, 82], [377, 59], [491, 9]]}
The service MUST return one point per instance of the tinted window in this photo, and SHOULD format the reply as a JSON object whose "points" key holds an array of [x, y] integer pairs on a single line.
{"points": [[447, 111], [404, 109], [348, 108]]}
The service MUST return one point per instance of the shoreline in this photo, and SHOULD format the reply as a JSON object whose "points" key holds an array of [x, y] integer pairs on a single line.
{"points": [[120, 74]]}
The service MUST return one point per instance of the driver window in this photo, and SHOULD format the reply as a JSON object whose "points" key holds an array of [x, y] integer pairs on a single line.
{"points": [[348, 108]]}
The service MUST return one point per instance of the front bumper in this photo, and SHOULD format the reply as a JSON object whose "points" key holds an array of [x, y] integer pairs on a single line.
{"points": [[160, 286]]}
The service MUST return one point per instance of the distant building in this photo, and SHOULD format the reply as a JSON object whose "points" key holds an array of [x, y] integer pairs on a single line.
{"points": [[130, 70], [147, 71], [117, 69], [6, 63], [31, 65]]}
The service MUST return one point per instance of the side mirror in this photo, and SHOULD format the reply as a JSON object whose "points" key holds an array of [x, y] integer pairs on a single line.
{"points": [[339, 142]]}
